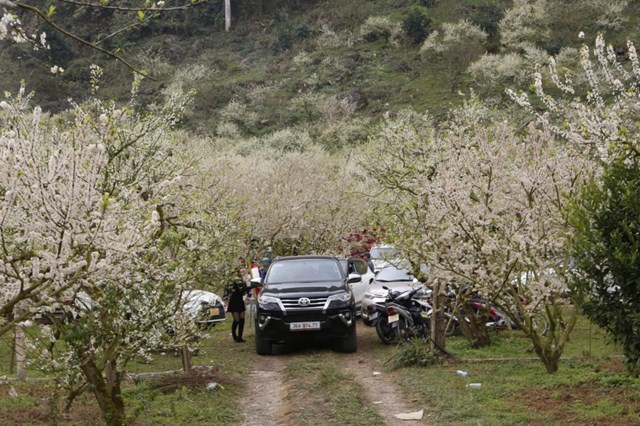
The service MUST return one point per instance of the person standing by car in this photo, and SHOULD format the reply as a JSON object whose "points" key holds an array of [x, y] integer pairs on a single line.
{"points": [[238, 290]]}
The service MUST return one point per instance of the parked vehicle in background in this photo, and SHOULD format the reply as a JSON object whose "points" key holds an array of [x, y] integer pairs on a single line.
{"points": [[206, 308], [68, 309], [402, 315], [408, 315], [386, 255], [354, 265], [390, 278], [306, 298], [499, 320]]}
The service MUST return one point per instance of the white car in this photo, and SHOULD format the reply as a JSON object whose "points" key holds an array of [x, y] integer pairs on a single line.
{"points": [[354, 265], [206, 308], [386, 255], [394, 279]]}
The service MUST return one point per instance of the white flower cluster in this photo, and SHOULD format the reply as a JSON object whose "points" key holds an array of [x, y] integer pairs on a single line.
{"points": [[55, 70], [600, 112], [476, 202], [11, 28]]}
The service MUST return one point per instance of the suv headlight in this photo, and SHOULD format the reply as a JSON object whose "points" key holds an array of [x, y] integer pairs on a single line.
{"points": [[340, 297], [264, 299], [338, 301]]}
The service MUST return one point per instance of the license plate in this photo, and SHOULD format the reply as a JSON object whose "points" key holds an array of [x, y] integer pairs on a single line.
{"points": [[394, 318], [373, 316], [214, 312], [302, 326]]}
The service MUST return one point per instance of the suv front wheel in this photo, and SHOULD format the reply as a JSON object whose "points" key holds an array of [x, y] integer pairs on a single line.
{"points": [[349, 343], [263, 346]]}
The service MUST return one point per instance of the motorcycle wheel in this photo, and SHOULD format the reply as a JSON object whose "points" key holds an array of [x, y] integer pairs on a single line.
{"points": [[386, 333], [452, 328], [404, 331], [540, 323]]}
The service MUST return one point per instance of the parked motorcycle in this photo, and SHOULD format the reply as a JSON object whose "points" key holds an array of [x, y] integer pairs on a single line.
{"points": [[498, 320], [403, 315], [379, 318], [409, 316]]}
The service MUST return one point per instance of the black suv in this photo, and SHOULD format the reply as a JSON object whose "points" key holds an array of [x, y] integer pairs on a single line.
{"points": [[306, 298]]}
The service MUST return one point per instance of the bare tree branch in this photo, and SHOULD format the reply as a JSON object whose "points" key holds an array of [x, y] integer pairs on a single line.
{"points": [[131, 9], [80, 40]]}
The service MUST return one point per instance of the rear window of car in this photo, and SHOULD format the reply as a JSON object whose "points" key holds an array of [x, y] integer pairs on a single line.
{"points": [[394, 274], [304, 270], [360, 266]]}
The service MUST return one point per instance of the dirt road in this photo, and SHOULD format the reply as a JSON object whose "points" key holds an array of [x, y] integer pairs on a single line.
{"points": [[380, 391]]}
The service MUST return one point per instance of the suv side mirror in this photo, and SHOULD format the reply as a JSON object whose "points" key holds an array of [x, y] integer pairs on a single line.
{"points": [[354, 278]]}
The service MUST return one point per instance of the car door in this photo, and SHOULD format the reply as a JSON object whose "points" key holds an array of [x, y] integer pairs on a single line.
{"points": [[360, 267]]}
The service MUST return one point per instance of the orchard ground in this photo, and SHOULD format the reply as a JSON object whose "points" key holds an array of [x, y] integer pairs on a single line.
{"points": [[316, 385]]}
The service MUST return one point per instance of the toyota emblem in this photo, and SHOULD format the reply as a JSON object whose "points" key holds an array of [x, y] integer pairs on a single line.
{"points": [[304, 301]]}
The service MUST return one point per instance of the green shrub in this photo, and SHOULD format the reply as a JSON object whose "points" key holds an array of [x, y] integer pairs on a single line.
{"points": [[606, 249], [428, 3], [416, 26], [412, 352], [488, 17]]}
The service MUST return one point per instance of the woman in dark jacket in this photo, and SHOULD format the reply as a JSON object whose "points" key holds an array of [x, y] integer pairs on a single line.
{"points": [[239, 289]]}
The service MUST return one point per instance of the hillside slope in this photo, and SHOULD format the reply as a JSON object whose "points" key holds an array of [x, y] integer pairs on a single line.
{"points": [[283, 58]]}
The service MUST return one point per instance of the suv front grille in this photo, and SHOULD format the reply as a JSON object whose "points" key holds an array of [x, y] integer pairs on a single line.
{"points": [[292, 303]]}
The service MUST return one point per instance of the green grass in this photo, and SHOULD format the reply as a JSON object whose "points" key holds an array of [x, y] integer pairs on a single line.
{"points": [[517, 391], [328, 392], [590, 387], [150, 406]]}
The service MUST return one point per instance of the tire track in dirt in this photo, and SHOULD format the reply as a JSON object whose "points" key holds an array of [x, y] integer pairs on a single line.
{"points": [[264, 402], [380, 389]]}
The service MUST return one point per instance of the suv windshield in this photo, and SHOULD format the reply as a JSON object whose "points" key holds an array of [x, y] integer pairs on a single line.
{"points": [[306, 270]]}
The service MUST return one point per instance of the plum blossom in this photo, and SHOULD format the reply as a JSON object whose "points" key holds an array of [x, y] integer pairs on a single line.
{"points": [[56, 70]]}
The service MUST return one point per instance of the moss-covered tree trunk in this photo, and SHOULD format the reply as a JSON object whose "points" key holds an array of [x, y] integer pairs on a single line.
{"points": [[473, 326], [106, 389], [549, 347]]}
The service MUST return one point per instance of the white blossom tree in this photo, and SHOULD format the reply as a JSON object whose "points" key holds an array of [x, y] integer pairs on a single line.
{"points": [[101, 200], [599, 112], [482, 207], [297, 202], [456, 45]]}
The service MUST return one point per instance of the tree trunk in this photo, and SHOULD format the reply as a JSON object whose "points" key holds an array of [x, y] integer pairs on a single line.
{"points": [[549, 349], [186, 360], [107, 392], [21, 372], [227, 15], [12, 354], [472, 326], [438, 321], [550, 358]]}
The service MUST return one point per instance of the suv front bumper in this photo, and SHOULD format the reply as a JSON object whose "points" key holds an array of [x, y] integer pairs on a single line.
{"points": [[289, 328]]}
